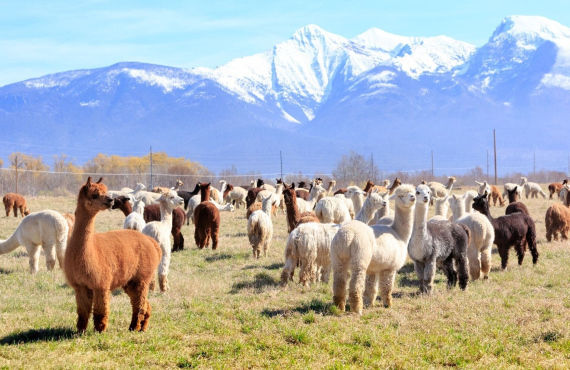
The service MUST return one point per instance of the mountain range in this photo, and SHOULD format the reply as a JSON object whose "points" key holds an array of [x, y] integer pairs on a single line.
{"points": [[315, 97]]}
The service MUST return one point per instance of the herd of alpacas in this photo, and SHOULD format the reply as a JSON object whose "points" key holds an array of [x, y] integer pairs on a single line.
{"points": [[363, 235]]}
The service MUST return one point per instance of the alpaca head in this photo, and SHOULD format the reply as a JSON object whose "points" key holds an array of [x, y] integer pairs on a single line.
{"points": [[26, 211], [289, 194], [483, 187], [377, 200], [279, 181], [513, 194], [316, 192], [423, 194], [397, 182], [385, 183], [565, 181], [318, 181], [368, 186], [524, 180], [179, 183], [451, 180], [481, 203], [139, 187], [170, 200], [455, 203], [93, 196], [301, 185], [260, 183], [404, 196], [120, 201]]}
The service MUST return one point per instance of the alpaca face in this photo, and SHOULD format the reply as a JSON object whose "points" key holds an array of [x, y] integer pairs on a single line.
{"points": [[94, 196], [119, 202], [423, 193], [378, 200], [171, 200], [480, 203], [405, 196], [523, 180]]}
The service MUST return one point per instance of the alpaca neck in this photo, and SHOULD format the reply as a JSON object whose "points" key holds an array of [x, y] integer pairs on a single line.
{"points": [[441, 208], [486, 212], [449, 185], [329, 189], [366, 212], [83, 230], [126, 208], [293, 209], [205, 194], [403, 222], [139, 207], [166, 216], [458, 210], [357, 200], [266, 206], [9, 244], [420, 219]]}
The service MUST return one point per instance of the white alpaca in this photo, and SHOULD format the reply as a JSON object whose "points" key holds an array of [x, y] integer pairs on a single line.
{"points": [[532, 188], [160, 231], [148, 197], [441, 208], [483, 188], [260, 227], [196, 199], [135, 219], [349, 204], [439, 190], [510, 186], [482, 237], [316, 193], [468, 200], [223, 186], [47, 229], [374, 202], [355, 194], [376, 253], [308, 246], [385, 215], [332, 210], [237, 194]]}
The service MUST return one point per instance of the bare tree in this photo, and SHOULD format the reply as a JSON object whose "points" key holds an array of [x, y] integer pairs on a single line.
{"points": [[353, 168]]}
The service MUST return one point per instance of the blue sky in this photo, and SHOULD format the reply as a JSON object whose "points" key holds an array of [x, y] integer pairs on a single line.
{"points": [[39, 37]]}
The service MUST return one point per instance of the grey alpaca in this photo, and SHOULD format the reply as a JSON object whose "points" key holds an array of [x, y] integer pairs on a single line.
{"points": [[437, 242]]}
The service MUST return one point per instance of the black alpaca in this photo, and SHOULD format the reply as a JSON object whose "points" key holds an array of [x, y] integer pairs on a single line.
{"points": [[515, 229], [186, 195], [514, 204]]}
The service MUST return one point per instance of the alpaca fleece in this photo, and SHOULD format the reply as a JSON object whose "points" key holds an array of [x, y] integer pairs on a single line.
{"points": [[206, 220]]}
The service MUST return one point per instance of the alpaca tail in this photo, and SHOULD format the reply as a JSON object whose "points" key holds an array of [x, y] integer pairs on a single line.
{"points": [[290, 258], [468, 232], [542, 193], [8, 245], [531, 238]]}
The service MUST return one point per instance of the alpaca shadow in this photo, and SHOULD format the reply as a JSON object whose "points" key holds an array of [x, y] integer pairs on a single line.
{"points": [[38, 335], [259, 283], [407, 268], [4, 271], [273, 266], [20, 254], [218, 257], [236, 235], [409, 282], [315, 305]]}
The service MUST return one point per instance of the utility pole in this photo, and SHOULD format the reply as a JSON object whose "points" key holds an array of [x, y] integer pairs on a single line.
{"points": [[281, 161], [16, 173], [432, 165], [487, 164], [372, 177], [151, 167], [495, 154], [533, 164]]}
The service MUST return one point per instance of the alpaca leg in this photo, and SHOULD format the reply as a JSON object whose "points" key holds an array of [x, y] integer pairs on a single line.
{"points": [[371, 289], [60, 251], [207, 238], [304, 273], [198, 238], [84, 300], [49, 250], [7, 209], [548, 234], [355, 289], [138, 293], [164, 265], [34, 256], [564, 233], [215, 234], [325, 274], [461, 263], [386, 286], [419, 267], [15, 209], [486, 262], [504, 254], [520, 248], [340, 277], [474, 262], [101, 309], [429, 275]]}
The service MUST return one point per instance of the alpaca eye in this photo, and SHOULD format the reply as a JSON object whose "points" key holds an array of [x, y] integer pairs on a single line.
{"points": [[417, 193], [94, 196]]}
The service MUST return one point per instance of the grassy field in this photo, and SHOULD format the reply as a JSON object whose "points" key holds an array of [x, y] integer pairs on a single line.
{"points": [[226, 309]]}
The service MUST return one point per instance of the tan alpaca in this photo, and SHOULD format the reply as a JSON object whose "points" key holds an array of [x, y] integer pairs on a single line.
{"points": [[48, 229], [97, 263], [16, 202]]}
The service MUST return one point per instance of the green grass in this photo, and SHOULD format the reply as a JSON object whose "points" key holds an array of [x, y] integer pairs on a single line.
{"points": [[226, 309]]}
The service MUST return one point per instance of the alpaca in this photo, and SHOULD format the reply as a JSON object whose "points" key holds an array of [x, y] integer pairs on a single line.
{"points": [[148, 197], [16, 202], [373, 254], [492, 191], [437, 241], [532, 189], [349, 204], [315, 194], [384, 215], [206, 220], [554, 188], [235, 194], [516, 229], [308, 246], [397, 182], [355, 194], [301, 191], [510, 186], [260, 227], [441, 208], [439, 190], [135, 219], [372, 204], [152, 213], [557, 220], [160, 231], [370, 187], [294, 217], [482, 236], [187, 195], [197, 199], [48, 229], [468, 200], [514, 204], [332, 210], [97, 263]]}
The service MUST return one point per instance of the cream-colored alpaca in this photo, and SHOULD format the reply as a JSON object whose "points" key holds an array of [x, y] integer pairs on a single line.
{"points": [[482, 237], [439, 190], [355, 194], [315, 195], [135, 219], [374, 202], [148, 197], [373, 254], [260, 227], [47, 229], [160, 231]]}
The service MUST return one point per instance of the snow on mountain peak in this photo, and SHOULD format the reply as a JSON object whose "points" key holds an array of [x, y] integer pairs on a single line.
{"points": [[376, 38], [530, 28]]}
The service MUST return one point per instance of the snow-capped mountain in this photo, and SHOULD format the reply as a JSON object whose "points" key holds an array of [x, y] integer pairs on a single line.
{"points": [[317, 95]]}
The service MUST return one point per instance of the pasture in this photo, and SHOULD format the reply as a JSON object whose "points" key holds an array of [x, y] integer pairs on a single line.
{"points": [[226, 309]]}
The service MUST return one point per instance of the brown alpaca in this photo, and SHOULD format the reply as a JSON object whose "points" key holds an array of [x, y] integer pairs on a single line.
{"points": [[514, 204], [496, 195], [555, 188], [397, 182], [557, 220], [294, 218], [16, 202], [370, 187], [206, 220], [96, 264]]}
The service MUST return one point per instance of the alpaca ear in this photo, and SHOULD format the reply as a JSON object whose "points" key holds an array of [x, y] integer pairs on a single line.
{"points": [[478, 183], [292, 185], [99, 181], [88, 183]]}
